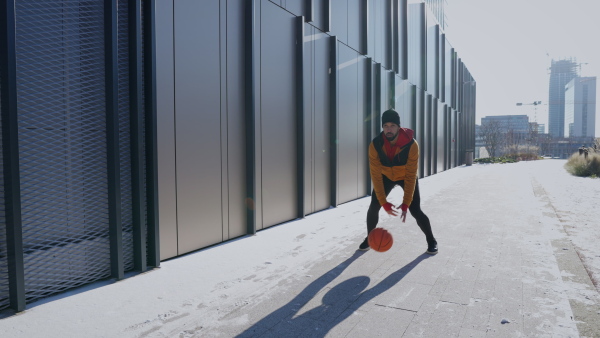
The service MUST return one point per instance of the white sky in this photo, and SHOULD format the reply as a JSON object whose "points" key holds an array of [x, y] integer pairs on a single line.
{"points": [[507, 46]]}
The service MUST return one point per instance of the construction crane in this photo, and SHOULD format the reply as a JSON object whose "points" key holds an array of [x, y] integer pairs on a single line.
{"points": [[535, 103]]}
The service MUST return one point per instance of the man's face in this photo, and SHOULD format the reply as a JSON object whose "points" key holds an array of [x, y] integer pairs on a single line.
{"points": [[390, 130]]}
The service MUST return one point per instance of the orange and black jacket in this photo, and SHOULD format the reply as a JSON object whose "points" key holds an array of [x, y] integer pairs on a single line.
{"points": [[399, 162]]}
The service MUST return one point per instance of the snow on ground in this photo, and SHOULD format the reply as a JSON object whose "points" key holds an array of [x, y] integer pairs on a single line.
{"points": [[219, 276], [577, 203]]}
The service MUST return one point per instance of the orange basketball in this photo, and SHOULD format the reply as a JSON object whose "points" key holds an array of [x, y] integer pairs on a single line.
{"points": [[380, 240]]}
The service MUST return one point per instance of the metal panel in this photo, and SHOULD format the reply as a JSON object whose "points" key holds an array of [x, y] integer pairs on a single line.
{"points": [[377, 100], [434, 136], [369, 117], [447, 137], [420, 127], [412, 97], [250, 102], [364, 27], [388, 31], [255, 81], [63, 144], [124, 134], [363, 126], [403, 102], [150, 133], [432, 55], [371, 22], [395, 38], [448, 72], [278, 115], [300, 124], [385, 92], [442, 65], [4, 290], [298, 7], [320, 14], [322, 124], [347, 123], [236, 124], [379, 30], [441, 137], [12, 280], [113, 159], [308, 121], [403, 39], [333, 120], [224, 137], [426, 148], [165, 101], [354, 24], [454, 133], [416, 44], [339, 20], [198, 124]]}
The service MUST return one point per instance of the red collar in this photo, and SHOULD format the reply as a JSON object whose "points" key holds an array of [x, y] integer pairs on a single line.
{"points": [[404, 136]]}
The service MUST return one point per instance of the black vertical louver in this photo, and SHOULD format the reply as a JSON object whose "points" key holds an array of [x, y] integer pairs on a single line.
{"points": [[63, 149], [124, 134], [4, 296], [62, 140]]}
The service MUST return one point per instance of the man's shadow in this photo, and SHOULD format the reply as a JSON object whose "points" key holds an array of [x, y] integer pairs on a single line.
{"points": [[347, 295]]}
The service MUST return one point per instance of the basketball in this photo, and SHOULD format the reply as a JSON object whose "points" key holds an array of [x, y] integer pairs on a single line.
{"points": [[380, 240]]}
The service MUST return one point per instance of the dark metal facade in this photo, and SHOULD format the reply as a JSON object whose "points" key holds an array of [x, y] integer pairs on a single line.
{"points": [[260, 112], [301, 85], [73, 118]]}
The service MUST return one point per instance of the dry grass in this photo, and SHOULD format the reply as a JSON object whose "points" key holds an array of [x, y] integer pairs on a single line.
{"points": [[578, 165]]}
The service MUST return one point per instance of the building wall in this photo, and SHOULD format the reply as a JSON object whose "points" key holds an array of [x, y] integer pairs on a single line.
{"points": [[253, 113], [561, 72], [386, 54], [580, 107], [74, 117]]}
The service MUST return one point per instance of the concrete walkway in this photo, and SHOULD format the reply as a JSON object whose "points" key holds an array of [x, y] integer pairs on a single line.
{"points": [[505, 268]]}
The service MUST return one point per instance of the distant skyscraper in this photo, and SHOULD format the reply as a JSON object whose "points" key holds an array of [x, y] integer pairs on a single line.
{"points": [[580, 107], [541, 128], [561, 72], [509, 123]]}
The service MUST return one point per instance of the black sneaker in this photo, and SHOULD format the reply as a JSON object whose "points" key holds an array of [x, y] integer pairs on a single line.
{"points": [[432, 249], [364, 246]]}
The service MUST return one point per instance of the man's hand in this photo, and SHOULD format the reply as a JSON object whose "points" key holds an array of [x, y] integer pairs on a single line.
{"points": [[389, 208], [404, 207]]}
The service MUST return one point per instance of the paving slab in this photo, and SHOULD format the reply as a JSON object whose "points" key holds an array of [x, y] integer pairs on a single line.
{"points": [[505, 268]]}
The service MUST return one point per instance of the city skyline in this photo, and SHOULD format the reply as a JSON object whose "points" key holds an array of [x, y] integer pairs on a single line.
{"points": [[511, 62]]}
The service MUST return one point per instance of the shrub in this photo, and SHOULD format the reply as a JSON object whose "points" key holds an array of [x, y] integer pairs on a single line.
{"points": [[522, 153], [503, 159], [578, 165]]}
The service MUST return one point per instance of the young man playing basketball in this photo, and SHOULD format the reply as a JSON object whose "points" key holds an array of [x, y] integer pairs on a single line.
{"points": [[394, 160]]}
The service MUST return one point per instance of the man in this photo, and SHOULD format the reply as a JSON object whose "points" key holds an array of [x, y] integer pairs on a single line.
{"points": [[394, 160]]}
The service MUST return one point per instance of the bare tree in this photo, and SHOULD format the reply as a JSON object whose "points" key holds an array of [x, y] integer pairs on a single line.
{"points": [[492, 134], [545, 142], [533, 136]]}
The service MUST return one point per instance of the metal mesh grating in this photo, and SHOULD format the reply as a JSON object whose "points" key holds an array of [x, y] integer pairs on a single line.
{"points": [[124, 135], [62, 140], [143, 105], [4, 302]]}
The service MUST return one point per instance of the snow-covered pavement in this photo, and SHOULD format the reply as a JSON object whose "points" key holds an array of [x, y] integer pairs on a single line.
{"points": [[518, 253]]}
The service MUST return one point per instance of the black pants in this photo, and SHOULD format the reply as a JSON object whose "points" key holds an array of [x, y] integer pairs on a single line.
{"points": [[415, 209]]}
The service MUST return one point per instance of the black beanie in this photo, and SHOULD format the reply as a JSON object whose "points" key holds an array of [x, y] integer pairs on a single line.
{"points": [[390, 115]]}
